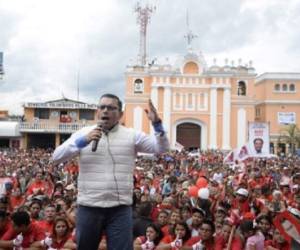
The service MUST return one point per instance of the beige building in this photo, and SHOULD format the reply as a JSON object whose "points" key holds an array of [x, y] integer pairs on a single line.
{"points": [[48, 124], [209, 107]]}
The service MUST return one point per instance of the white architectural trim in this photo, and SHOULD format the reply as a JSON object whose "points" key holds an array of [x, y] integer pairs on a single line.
{"points": [[202, 98], [226, 119], [167, 109], [177, 106], [241, 127], [138, 118], [187, 107], [279, 102], [277, 76], [154, 96], [203, 132], [192, 85], [213, 118]]}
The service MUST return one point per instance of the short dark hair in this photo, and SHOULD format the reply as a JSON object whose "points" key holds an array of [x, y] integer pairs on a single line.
{"points": [[21, 218], [113, 97], [210, 223], [258, 139]]}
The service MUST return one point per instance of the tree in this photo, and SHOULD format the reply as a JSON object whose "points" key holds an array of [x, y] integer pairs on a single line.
{"points": [[290, 135]]}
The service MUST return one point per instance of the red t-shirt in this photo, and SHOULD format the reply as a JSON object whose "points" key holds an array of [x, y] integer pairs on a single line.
{"points": [[34, 233], [36, 185], [45, 225], [209, 245], [59, 245], [16, 201], [6, 227], [221, 244]]}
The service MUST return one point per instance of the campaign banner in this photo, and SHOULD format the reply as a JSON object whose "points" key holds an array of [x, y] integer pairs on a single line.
{"points": [[286, 117], [259, 139]]}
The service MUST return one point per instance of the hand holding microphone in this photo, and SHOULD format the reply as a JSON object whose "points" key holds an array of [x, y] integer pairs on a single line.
{"points": [[94, 137]]}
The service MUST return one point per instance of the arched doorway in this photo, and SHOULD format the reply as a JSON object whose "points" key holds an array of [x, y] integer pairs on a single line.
{"points": [[189, 135]]}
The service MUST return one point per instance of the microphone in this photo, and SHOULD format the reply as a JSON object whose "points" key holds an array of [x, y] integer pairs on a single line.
{"points": [[95, 142]]}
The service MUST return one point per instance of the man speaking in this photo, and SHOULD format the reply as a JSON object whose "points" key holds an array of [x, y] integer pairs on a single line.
{"points": [[105, 182]]}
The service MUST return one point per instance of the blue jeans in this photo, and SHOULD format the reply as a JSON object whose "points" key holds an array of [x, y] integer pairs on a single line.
{"points": [[116, 221]]}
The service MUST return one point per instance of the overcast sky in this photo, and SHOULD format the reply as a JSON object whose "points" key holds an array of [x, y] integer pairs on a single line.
{"points": [[49, 44]]}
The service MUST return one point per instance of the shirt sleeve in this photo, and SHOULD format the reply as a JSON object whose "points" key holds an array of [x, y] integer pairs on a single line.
{"points": [[154, 144], [69, 148]]}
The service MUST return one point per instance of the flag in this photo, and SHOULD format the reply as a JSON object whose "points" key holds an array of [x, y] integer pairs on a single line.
{"points": [[178, 146]]}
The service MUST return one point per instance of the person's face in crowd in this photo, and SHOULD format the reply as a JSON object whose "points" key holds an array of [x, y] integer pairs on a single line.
{"points": [[180, 231], [256, 172], [197, 219], [62, 204], [158, 198], [264, 226], [205, 232], [108, 112], [35, 210], [145, 197], [138, 193], [258, 144], [61, 228], [174, 217], [2, 171], [151, 233], [285, 189], [185, 214], [226, 230], [256, 192], [50, 213], [277, 237], [39, 176], [220, 215], [241, 198], [162, 219], [17, 192]]}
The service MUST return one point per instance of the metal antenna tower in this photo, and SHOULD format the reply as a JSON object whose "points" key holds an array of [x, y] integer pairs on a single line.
{"points": [[143, 18]]}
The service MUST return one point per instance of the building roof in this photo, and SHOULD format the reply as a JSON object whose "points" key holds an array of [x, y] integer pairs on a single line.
{"points": [[63, 103], [9, 129], [277, 76]]}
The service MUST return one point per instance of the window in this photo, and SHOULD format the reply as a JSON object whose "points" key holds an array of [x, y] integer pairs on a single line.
{"points": [[138, 86], [292, 87], [41, 113], [86, 114], [277, 87], [284, 87], [257, 112], [241, 88]]}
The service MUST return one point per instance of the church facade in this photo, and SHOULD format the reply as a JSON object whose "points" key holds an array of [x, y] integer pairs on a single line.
{"points": [[210, 107]]}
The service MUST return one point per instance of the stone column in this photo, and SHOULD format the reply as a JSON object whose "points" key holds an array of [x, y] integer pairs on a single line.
{"points": [[226, 118], [213, 118], [167, 109]]}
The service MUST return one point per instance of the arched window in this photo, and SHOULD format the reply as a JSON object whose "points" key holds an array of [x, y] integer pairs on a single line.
{"points": [[292, 87], [277, 87], [284, 87], [138, 86], [241, 88]]}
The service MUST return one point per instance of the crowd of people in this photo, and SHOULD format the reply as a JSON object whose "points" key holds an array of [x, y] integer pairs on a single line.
{"points": [[180, 201]]}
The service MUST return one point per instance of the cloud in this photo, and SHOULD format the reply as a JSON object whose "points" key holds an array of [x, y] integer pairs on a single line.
{"points": [[49, 45]]}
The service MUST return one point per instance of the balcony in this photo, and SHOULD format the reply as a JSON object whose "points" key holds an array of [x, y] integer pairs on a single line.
{"points": [[47, 127]]}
